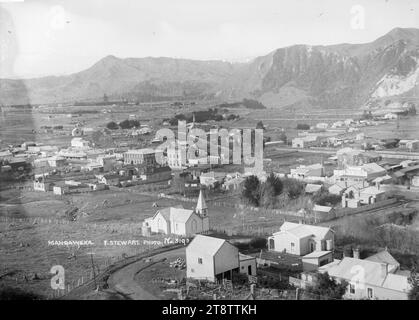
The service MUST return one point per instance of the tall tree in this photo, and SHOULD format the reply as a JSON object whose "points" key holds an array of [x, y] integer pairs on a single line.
{"points": [[328, 288], [251, 190], [414, 282]]}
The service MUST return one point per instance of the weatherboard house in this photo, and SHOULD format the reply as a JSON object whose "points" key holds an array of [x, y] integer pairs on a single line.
{"points": [[180, 221], [214, 259]]}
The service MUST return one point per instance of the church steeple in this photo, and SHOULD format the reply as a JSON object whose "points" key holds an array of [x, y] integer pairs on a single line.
{"points": [[201, 206]]}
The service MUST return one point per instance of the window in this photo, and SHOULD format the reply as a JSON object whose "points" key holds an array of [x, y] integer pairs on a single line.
{"points": [[370, 293], [351, 288], [200, 260], [292, 246]]}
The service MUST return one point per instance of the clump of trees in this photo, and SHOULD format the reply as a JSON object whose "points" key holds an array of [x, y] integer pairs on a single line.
{"points": [[125, 124], [328, 288], [414, 283], [129, 124], [260, 125], [112, 125], [303, 126], [248, 103], [327, 199], [265, 194], [200, 116]]}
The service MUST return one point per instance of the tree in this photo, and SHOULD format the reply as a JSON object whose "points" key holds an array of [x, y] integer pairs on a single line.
{"points": [[275, 182], [112, 125], [283, 137], [414, 282], [260, 125], [251, 190], [303, 126], [129, 124], [293, 187], [328, 288]]}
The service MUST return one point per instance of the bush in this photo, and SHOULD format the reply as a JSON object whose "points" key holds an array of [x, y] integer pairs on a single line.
{"points": [[112, 125], [129, 124], [10, 293], [303, 126], [328, 199], [293, 187]]}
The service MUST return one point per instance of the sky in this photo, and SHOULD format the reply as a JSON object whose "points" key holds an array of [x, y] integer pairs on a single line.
{"points": [[55, 37]]}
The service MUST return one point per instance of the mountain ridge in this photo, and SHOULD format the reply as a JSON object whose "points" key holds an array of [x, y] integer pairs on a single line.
{"points": [[340, 75]]}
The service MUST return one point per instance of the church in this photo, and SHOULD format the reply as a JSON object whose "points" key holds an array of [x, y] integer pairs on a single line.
{"points": [[180, 221]]}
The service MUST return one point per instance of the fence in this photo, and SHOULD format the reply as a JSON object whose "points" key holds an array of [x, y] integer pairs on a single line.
{"points": [[339, 213]]}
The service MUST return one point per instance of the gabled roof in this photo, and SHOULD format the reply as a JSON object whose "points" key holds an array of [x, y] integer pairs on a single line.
{"points": [[175, 214], [303, 230], [209, 245], [372, 190], [371, 270], [322, 208], [373, 168], [384, 257], [312, 188]]}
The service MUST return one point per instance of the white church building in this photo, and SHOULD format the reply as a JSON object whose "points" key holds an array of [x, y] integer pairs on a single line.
{"points": [[180, 221]]}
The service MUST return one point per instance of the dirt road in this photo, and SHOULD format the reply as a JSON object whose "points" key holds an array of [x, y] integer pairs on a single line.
{"points": [[124, 281]]}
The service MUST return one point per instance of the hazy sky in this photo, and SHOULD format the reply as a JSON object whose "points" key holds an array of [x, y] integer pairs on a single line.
{"points": [[65, 36]]}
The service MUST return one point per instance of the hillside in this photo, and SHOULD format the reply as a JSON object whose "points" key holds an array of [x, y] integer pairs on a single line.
{"points": [[336, 76]]}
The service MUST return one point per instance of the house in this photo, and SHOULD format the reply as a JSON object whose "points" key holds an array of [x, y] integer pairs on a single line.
{"points": [[316, 259], [322, 212], [154, 174], [390, 116], [353, 175], [354, 196], [78, 142], [376, 277], [211, 259], [312, 188], [109, 179], [302, 171], [147, 156], [305, 142], [356, 157], [337, 188], [209, 179], [233, 181], [301, 239], [42, 185], [179, 221], [247, 264], [322, 125], [61, 189]]}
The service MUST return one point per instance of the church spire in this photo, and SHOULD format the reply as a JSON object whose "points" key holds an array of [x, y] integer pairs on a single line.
{"points": [[201, 206]]}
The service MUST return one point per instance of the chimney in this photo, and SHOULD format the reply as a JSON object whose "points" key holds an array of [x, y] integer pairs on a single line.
{"points": [[384, 270], [355, 252]]}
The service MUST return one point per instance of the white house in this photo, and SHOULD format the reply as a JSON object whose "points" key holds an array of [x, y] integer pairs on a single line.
{"points": [[179, 221], [376, 277], [79, 143], [303, 172], [354, 196], [305, 142], [211, 259], [301, 239]]}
